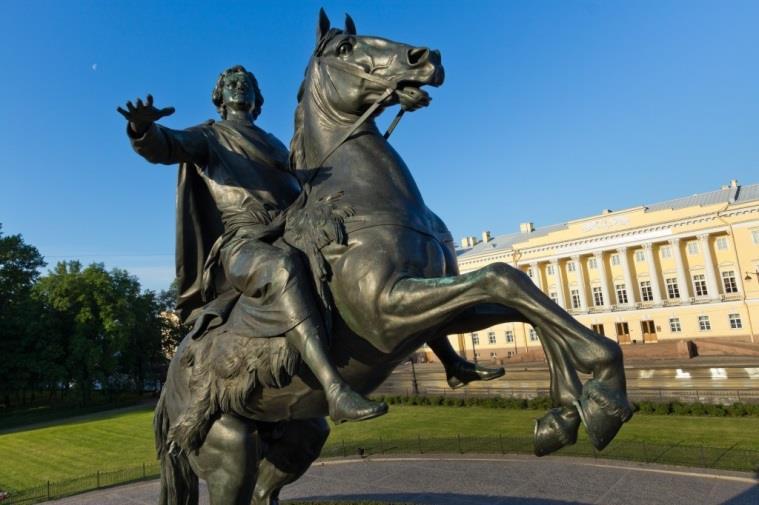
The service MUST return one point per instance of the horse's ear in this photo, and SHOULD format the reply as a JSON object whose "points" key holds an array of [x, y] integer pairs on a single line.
{"points": [[350, 26], [323, 27]]}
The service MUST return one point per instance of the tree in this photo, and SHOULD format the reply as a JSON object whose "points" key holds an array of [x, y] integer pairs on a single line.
{"points": [[19, 269]]}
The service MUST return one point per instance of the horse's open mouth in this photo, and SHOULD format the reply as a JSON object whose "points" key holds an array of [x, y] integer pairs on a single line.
{"points": [[412, 97]]}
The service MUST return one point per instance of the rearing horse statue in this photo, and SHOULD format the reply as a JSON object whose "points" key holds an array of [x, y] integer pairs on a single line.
{"points": [[394, 283]]}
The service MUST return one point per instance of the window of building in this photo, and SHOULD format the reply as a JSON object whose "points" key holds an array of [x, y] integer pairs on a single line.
{"points": [[598, 328], [598, 296], [666, 252], [721, 243], [615, 259], [755, 236], [692, 247], [475, 339], [640, 256], [699, 285], [592, 264], [509, 336], [575, 294], [673, 290], [529, 272], [674, 325], [549, 269], [735, 321], [533, 335], [645, 291], [509, 354], [571, 266], [621, 293], [704, 324], [491, 337], [554, 296], [728, 281]]}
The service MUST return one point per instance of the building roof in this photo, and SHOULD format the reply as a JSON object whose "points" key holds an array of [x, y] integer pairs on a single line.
{"points": [[733, 194]]}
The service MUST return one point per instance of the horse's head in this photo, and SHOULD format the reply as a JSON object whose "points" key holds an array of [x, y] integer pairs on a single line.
{"points": [[355, 71]]}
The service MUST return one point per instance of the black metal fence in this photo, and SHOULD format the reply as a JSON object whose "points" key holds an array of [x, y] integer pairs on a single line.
{"points": [[97, 480], [724, 458]]}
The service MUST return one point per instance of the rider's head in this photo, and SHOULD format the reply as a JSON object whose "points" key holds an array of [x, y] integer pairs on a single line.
{"points": [[238, 89]]}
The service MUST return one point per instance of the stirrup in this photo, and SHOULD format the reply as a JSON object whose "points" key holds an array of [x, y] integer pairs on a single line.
{"points": [[603, 411], [555, 430]]}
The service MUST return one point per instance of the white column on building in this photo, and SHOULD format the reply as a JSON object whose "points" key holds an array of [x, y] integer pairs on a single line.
{"points": [[537, 275], [682, 278], [653, 273], [580, 277], [629, 286], [559, 282], [601, 265], [711, 276]]}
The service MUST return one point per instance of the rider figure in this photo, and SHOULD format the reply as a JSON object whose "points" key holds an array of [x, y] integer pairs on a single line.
{"points": [[245, 172]]}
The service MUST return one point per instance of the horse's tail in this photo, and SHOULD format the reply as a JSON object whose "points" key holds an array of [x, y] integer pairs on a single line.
{"points": [[179, 484]]}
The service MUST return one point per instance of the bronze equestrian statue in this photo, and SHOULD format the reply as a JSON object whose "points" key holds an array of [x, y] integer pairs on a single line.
{"points": [[247, 414]]}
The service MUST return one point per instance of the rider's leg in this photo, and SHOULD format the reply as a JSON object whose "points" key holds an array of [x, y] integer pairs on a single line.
{"points": [[459, 371], [344, 403], [277, 277]]}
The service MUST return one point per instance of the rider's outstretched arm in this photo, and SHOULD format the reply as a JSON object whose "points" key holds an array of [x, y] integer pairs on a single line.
{"points": [[159, 144]]}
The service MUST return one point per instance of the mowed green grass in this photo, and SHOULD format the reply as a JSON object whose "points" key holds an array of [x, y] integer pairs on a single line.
{"points": [[72, 449]]}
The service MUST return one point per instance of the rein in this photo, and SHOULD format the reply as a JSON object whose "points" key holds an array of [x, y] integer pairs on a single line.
{"points": [[390, 88]]}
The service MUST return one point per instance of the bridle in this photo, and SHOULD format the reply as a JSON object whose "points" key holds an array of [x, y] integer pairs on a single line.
{"points": [[391, 88]]}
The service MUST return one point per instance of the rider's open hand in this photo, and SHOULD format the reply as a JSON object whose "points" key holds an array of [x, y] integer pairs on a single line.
{"points": [[141, 115]]}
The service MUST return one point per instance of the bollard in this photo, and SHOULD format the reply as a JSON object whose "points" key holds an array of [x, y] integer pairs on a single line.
{"points": [[419, 442]]}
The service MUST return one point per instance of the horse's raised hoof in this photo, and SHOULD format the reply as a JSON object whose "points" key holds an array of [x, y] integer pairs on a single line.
{"points": [[347, 405], [463, 372], [603, 410], [556, 429]]}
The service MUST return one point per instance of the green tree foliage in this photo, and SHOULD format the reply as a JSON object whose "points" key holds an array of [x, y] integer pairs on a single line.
{"points": [[110, 332], [19, 269], [78, 327]]}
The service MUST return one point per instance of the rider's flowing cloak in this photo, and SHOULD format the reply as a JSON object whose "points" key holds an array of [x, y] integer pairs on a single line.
{"points": [[203, 295]]}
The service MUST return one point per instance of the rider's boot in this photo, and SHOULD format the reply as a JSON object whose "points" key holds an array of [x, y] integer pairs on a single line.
{"points": [[344, 403], [462, 372], [458, 371]]}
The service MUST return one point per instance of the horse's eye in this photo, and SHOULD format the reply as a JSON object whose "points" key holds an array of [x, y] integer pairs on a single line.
{"points": [[344, 48]]}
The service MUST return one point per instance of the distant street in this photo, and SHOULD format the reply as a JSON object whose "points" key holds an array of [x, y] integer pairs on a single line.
{"points": [[702, 379]]}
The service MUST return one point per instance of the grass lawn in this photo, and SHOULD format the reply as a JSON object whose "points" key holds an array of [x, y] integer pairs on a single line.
{"points": [[75, 448]]}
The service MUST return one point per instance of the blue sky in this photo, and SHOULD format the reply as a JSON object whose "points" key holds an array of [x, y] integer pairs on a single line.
{"points": [[551, 110]]}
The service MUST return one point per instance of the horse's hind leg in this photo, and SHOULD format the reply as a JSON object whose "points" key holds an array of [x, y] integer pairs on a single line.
{"points": [[227, 461], [288, 450]]}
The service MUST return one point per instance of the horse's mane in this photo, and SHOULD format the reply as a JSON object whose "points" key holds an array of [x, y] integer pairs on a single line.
{"points": [[297, 151], [297, 148]]}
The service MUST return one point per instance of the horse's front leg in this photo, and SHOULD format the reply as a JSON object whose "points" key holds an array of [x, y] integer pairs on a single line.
{"points": [[414, 304]]}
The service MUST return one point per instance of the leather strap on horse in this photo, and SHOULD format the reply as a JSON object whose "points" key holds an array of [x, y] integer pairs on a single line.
{"points": [[390, 88]]}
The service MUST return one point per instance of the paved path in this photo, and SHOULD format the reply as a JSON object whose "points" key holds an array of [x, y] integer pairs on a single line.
{"points": [[508, 480]]}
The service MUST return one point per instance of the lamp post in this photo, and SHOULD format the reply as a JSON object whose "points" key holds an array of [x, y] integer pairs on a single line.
{"points": [[748, 275], [474, 349], [414, 383]]}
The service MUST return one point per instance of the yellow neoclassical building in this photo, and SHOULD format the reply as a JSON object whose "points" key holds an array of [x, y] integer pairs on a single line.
{"points": [[677, 270]]}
